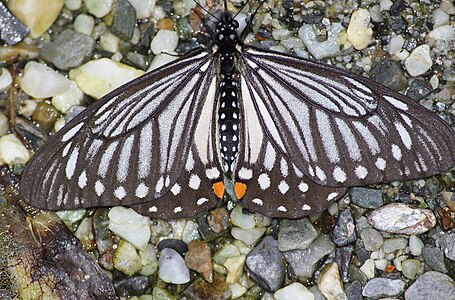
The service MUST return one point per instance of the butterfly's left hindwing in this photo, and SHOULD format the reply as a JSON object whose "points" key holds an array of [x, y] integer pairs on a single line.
{"points": [[135, 145]]}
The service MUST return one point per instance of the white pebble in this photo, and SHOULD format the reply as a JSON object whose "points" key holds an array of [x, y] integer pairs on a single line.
{"points": [[110, 42], [320, 50], [73, 4], [27, 107], [84, 24], [238, 218], [5, 79], [162, 59], [172, 268], [359, 32], [248, 236], [444, 32], [294, 291], [292, 42], [280, 34], [4, 126], [126, 259], [73, 96], [165, 41], [237, 290], [396, 44], [99, 8], [234, 267], [149, 260], [447, 6], [190, 232], [440, 17], [40, 81], [130, 226], [12, 151], [415, 245], [330, 284], [144, 8], [98, 77], [419, 61], [386, 4], [59, 124], [368, 268]]}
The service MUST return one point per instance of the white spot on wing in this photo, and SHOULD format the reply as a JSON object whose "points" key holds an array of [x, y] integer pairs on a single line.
{"points": [[177, 209], [320, 174], [284, 167], [283, 187], [339, 175], [71, 163], [269, 157], [153, 209], [194, 182], [404, 135], [176, 189], [328, 140], [306, 207], [142, 190], [396, 152], [212, 173], [159, 185], [380, 163], [245, 173], [303, 187], [397, 103], [282, 208], [258, 201], [120, 192], [361, 172], [72, 132], [201, 201], [99, 188], [82, 180], [264, 181], [332, 196]]}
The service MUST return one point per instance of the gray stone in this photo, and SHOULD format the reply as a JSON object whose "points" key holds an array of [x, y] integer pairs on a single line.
{"points": [[266, 265], [434, 258], [68, 50], [431, 285], [366, 198], [390, 74], [12, 31], [296, 234], [372, 239], [447, 244], [378, 288], [343, 257], [124, 20], [344, 231], [305, 262], [354, 291]]}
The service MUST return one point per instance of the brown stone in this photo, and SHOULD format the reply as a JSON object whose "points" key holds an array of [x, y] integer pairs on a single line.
{"points": [[198, 258]]}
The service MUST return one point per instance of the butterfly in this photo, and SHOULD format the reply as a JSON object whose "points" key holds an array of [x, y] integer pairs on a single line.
{"points": [[285, 136]]}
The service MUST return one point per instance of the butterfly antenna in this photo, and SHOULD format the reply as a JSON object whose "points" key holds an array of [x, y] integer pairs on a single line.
{"points": [[250, 20]]}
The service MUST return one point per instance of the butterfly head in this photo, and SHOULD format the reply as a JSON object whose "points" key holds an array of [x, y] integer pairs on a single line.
{"points": [[226, 33]]}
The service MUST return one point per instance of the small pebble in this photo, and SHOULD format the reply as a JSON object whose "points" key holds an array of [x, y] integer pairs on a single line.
{"points": [[99, 8], [73, 96], [296, 234], [38, 16], [239, 219], [410, 268], [144, 8], [431, 285], [149, 260], [368, 268], [354, 291], [265, 264], [394, 244], [366, 198], [378, 288], [124, 20], [98, 77], [318, 49], [440, 17], [73, 4], [415, 245], [226, 251], [84, 24], [172, 268], [175, 244], [444, 33], [402, 219], [190, 232], [237, 290], [165, 41], [126, 258], [359, 32], [130, 226], [329, 282], [294, 291], [434, 257], [4, 125], [12, 151], [12, 30], [419, 61], [218, 220], [40, 81], [372, 239], [234, 267], [200, 289], [248, 236], [134, 285], [344, 231], [5, 79], [198, 258], [447, 244]]}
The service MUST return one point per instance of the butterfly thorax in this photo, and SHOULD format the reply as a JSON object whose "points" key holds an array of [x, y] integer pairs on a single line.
{"points": [[228, 111]]}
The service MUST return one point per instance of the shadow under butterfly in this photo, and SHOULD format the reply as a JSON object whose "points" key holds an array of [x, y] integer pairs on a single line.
{"points": [[287, 135]]}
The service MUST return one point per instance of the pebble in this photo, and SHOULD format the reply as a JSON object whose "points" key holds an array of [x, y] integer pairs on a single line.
{"points": [[402, 219], [343, 258], [218, 220], [73, 96], [201, 290], [124, 20], [415, 245], [368, 268], [431, 285], [45, 115], [394, 244], [178, 245], [372, 239], [419, 89], [4, 125], [354, 291], [13, 151], [234, 267], [12, 30], [359, 32], [128, 286], [389, 73], [226, 251], [265, 265], [434, 258], [327, 48], [378, 288], [190, 232], [130, 226], [165, 41], [126, 258], [410, 268], [329, 283], [98, 77], [294, 291], [84, 233], [237, 290], [73, 4], [38, 16], [109, 42], [198, 258], [419, 61], [366, 198], [68, 50], [239, 219], [5, 80], [444, 32], [296, 234], [40, 81], [248, 236], [344, 231], [447, 244], [149, 260], [305, 262], [172, 268], [144, 8], [99, 8], [440, 17], [84, 24]]}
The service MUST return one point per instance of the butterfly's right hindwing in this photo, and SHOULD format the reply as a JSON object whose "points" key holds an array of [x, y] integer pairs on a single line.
{"points": [[130, 147]]}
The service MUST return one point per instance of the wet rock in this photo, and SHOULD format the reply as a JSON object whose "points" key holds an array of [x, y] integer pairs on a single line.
{"points": [[354, 291], [431, 285], [234, 267], [366, 198], [172, 268], [40, 81], [178, 245], [372, 239], [378, 288], [266, 265], [447, 244], [124, 20], [12, 31], [296, 234], [126, 259], [132, 286], [248, 236], [390, 74], [218, 220], [343, 258], [329, 283], [68, 50], [130, 226], [198, 258], [344, 231], [293, 291], [202, 290], [434, 258]]}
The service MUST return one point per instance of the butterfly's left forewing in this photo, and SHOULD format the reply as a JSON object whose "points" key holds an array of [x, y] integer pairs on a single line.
{"points": [[130, 147]]}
